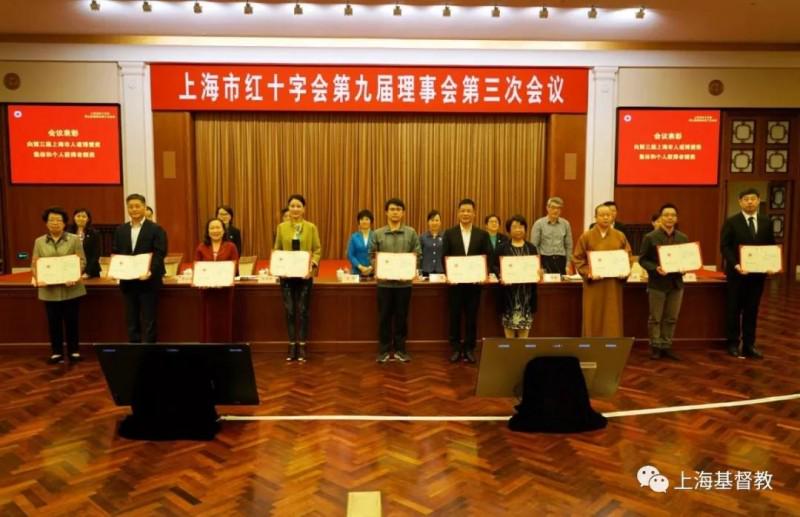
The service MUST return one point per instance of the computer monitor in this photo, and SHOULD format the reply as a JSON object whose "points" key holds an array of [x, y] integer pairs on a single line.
{"points": [[503, 362], [173, 388]]}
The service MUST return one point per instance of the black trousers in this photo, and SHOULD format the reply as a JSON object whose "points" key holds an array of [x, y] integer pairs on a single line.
{"points": [[741, 311], [296, 294], [393, 312], [141, 307], [464, 299], [554, 264], [63, 316]]}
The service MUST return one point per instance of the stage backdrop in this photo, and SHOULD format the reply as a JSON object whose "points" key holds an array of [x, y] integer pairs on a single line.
{"points": [[343, 162]]}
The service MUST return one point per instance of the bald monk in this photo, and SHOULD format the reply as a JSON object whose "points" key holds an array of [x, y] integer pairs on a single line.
{"points": [[602, 297]]}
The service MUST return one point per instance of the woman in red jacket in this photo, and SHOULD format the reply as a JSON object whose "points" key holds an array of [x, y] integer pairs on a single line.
{"points": [[217, 303]]}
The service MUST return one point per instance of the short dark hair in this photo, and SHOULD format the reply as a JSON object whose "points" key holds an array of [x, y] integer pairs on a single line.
{"points": [[54, 210], [207, 238], [74, 227], [137, 197], [665, 206], [655, 217], [610, 203], [749, 191], [365, 213], [396, 201], [298, 197], [148, 207], [519, 219], [598, 207], [433, 213], [466, 201], [486, 219], [284, 210], [227, 208]]}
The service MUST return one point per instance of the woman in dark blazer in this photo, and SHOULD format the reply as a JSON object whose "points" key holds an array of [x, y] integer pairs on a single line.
{"points": [[225, 214], [82, 227]]}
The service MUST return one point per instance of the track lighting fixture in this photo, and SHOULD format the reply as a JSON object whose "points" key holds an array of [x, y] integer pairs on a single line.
{"points": [[640, 13], [496, 12], [146, 7], [592, 14], [198, 9], [94, 5], [348, 10], [543, 12], [446, 11], [248, 9], [397, 10], [298, 9]]}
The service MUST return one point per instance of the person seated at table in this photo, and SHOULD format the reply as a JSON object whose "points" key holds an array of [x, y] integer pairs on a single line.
{"points": [[519, 301], [431, 242], [148, 213], [358, 247], [225, 214], [90, 238], [492, 223], [61, 302]]}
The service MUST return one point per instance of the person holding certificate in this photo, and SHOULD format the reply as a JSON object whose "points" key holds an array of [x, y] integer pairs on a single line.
{"points": [[518, 300], [664, 290], [464, 240], [234, 235], [395, 247], [744, 288], [141, 236], [61, 297], [217, 303], [297, 234], [90, 238], [602, 296], [358, 246]]}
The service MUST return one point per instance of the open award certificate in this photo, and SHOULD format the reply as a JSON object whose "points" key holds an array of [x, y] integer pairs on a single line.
{"points": [[760, 259], [678, 258], [466, 270], [610, 263], [58, 270], [213, 274], [129, 267], [520, 270], [395, 266], [289, 264]]}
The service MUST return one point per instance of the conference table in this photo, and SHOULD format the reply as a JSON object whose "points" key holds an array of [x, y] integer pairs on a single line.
{"points": [[344, 315]]}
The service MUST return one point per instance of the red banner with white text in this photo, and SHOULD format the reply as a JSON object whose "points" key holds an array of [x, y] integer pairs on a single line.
{"points": [[192, 87]]}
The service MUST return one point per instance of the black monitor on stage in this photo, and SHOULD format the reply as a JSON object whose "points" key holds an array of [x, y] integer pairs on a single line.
{"points": [[172, 388]]}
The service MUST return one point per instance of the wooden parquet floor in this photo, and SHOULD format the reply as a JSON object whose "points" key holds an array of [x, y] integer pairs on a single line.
{"points": [[59, 454]]}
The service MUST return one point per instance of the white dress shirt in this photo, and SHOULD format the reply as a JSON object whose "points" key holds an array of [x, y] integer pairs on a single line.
{"points": [[135, 229], [466, 233], [747, 220]]}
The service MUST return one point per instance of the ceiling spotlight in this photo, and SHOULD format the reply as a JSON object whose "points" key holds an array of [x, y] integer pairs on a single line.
{"points": [[446, 11], [496, 12], [95, 5], [640, 13], [592, 13], [543, 12], [146, 7], [298, 9], [348, 10], [248, 9], [198, 9], [397, 11]]}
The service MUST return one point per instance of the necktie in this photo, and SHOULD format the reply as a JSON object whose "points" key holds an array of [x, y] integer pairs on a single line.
{"points": [[752, 225]]}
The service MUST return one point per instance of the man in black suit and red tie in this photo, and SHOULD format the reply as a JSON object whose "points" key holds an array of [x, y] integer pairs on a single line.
{"points": [[462, 240], [744, 289], [141, 235]]}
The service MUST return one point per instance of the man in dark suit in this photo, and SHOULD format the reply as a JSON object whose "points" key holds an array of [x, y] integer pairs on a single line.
{"points": [[462, 240], [141, 235], [744, 289]]}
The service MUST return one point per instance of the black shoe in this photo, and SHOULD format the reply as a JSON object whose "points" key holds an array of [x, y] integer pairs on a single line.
{"points": [[469, 356], [402, 356], [669, 354], [55, 359], [301, 352], [733, 350], [655, 353], [291, 354], [382, 357], [753, 353], [75, 357], [456, 357]]}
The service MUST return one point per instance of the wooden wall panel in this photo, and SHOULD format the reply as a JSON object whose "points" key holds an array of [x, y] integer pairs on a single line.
{"points": [[176, 194], [698, 211], [566, 135]]}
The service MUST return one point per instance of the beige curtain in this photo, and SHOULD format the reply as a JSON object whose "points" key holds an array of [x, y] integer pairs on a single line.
{"points": [[342, 163]]}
